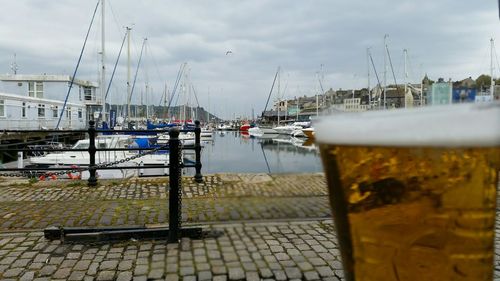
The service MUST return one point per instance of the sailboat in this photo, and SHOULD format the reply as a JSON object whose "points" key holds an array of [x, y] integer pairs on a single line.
{"points": [[257, 130], [72, 159]]}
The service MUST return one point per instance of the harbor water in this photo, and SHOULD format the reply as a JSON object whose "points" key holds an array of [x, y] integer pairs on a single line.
{"points": [[236, 152]]}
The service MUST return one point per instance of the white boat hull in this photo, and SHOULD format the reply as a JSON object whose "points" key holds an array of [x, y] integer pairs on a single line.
{"points": [[287, 130], [259, 131]]}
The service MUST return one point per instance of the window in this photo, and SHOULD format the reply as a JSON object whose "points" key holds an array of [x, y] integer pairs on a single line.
{"points": [[2, 108], [55, 110], [80, 113], [23, 110], [87, 93], [35, 89], [41, 111]]}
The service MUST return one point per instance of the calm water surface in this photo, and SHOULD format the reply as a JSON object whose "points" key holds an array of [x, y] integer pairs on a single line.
{"points": [[233, 152]]}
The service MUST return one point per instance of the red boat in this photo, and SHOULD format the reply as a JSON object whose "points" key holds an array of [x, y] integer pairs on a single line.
{"points": [[245, 127]]}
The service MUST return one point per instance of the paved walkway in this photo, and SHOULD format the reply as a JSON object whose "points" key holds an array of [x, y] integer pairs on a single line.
{"points": [[304, 250], [270, 228], [135, 202]]}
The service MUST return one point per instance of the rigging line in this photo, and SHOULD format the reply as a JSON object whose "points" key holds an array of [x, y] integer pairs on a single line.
{"points": [[176, 84], [195, 95], [321, 85], [392, 69], [136, 72], [411, 70], [146, 72], [284, 89], [76, 68], [375, 70], [114, 68], [150, 53], [401, 69], [163, 95], [496, 56], [319, 80], [163, 99], [137, 69], [484, 57], [118, 25], [271, 91]]}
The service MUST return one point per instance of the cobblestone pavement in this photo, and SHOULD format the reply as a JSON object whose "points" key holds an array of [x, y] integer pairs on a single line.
{"points": [[135, 202], [296, 242], [304, 250]]}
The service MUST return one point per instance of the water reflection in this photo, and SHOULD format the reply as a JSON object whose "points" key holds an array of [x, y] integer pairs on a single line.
{"points": [[235, 152]]}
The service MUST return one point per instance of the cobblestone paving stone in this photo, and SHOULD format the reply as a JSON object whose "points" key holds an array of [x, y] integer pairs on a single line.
{"points": [[242, 251], [213, 186], [272, 249], [137, 202]]}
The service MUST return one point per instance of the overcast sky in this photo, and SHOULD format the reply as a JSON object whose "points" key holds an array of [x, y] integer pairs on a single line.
{"points": [[307, 39]]}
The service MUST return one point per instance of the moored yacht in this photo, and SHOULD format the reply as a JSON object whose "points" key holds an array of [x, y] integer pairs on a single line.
{"points": [[80, 159]]}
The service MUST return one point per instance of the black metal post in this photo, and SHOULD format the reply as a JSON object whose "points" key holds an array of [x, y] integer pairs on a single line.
{"points": [[198, 177], [175, 187], [92, 150]]}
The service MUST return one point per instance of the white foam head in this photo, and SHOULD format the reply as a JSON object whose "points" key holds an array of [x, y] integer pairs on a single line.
{"points": [[459, 125]]}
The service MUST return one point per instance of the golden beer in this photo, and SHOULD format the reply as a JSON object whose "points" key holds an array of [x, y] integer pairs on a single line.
{"points": [[414, 205]]}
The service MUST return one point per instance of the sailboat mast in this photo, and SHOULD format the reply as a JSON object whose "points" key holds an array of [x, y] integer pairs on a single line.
{"points": [[368, 77], [147, 80], [492, 82], [405, 52], [208, 111], [317, 101], [129, 93], [103, 67], [385, 67], [167, 97], [279, 98], [297, 110]]}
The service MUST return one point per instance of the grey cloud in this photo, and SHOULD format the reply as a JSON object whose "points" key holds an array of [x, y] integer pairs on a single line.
{"points": [[444, 38]]}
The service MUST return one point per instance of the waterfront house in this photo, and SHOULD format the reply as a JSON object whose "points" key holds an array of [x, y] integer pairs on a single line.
{"points": [[36, 102]]}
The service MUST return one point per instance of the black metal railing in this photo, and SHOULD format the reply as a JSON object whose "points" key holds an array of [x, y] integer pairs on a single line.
{"points": [[175, 167], [92, 166]]}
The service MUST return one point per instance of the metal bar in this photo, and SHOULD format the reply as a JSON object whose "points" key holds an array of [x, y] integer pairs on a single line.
{"points": [[92, 181], [174, 198], [198, 177], [83, 167], [143, 131], [101, 234], [162, 148], [44, 150], [132, 167], [97, 131], [80, 149], [43, 131]]}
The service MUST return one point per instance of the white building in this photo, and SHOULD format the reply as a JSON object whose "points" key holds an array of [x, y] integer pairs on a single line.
{"points": [[36, 102], [354, 105]]}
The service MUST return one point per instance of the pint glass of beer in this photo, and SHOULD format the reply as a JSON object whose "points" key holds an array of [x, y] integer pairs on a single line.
{"points": [[413, 192]]}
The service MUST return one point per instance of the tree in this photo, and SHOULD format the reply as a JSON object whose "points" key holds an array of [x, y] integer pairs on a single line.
{"points": [[483, 80]]}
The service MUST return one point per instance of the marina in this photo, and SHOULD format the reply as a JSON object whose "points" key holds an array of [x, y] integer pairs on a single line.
{"points": [[222, 151], [236, 152], [249, 140]]}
